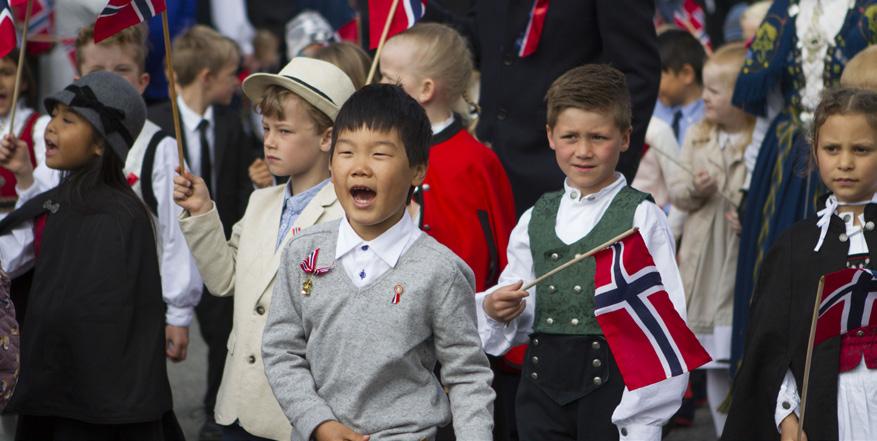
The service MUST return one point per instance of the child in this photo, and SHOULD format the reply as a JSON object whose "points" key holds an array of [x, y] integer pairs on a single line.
{"points": [[859, 72], [149, 168], [679, 94], [297, 118], [216, 149], [364, 307], [26, 126], [466, 200], [842, 384], [713, 150], [92, 359], [570, 386]]}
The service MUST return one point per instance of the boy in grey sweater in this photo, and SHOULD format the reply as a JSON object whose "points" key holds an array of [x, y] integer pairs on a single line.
{"points": [[364, 307]]}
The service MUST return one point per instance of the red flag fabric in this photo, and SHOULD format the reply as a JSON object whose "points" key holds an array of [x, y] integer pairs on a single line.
{"points": [[690, 17], [848, 303], [648, 338], [8, 40], [41, 28], [533, 33], [120, 14], [408, 12]]}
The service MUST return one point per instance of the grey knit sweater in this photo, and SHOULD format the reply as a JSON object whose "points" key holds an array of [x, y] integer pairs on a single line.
{"points": [[352, 355]]}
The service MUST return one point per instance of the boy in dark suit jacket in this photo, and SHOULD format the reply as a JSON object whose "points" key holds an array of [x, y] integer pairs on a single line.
{"points": [[216, 148]]}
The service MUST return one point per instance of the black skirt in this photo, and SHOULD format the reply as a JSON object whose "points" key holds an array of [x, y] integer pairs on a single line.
{"points": [[48, 428]]}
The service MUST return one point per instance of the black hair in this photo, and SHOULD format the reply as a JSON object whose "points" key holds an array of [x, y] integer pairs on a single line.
{"points": [[383, 108], [28, 89], [678, 48]]}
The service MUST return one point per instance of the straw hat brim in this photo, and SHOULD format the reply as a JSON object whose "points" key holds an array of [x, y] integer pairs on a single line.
{"points": [[254, 87]]}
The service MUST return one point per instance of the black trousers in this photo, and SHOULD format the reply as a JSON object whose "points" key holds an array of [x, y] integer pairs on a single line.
{"points": [[570, 386], [46, 428], [215, 319]]}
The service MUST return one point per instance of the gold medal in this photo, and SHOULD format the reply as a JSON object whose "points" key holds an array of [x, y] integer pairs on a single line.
{"points": [[306, 287]]}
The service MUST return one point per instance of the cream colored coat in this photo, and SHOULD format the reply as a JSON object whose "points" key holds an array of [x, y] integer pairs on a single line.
{"points": [[245, 267], [708, 253]]}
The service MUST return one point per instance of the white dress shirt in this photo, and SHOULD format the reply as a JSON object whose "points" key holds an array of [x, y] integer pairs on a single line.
{"points": [[365, 261], [190, 120], [643, 411]]}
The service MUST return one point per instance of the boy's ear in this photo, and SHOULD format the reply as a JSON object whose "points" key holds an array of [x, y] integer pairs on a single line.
{"points": [[326, 140], [143, 79], [625, 139], [687, 74], [419, 175], [203, 75], [548, 133], [427, 91]]}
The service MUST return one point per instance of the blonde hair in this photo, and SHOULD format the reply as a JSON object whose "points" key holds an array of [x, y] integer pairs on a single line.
{"points": [[275, 97], [859, 72], [729, 59], [131, 39], [199, 48], [443, 55], [350, 58]]}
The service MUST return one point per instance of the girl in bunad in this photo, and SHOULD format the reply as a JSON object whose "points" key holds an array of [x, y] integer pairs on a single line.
{"points": [[92, 358], [843, 377]]}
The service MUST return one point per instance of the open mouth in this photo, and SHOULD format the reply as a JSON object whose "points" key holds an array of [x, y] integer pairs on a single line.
{"points": [[51, 147], [362, 196]]}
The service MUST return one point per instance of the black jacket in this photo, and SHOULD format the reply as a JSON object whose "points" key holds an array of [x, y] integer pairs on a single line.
{"points": [[233, 155], [94, 346], [576, 32], [779, 326]]}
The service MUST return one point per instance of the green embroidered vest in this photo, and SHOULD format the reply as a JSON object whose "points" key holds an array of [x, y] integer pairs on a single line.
{"points": [[565, 301]]}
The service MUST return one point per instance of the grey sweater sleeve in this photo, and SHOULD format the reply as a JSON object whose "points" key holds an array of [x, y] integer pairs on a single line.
{"points": [[465, 370], [284, 354]]}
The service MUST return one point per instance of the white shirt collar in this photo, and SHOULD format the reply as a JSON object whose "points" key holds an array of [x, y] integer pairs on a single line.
{"points": [[437, 128], [389, 246], [831, 205], [574, 194], [190, 118]]}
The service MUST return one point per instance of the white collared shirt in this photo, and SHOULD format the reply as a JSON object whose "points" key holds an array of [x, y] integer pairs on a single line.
{"points": [[641, 412], [437, 128], [365, 261], [190, 120]]}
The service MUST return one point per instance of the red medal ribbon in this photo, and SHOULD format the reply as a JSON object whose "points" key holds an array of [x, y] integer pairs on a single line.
{"points": [[309, 265], [533, 33]]}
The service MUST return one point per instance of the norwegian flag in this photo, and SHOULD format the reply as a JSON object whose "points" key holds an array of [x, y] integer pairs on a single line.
{"points": [[41, 27], [690, 17], [8, 40], [120, 14], [649, 339], [407, 14], [848, 303]]}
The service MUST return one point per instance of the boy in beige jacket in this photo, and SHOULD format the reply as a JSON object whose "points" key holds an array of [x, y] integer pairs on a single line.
{"points": [[298, 108]]}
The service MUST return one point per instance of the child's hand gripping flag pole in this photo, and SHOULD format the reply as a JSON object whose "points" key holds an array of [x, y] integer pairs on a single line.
{"points": [[120, 14], [394, 21], [6, 27], [846, 300]]}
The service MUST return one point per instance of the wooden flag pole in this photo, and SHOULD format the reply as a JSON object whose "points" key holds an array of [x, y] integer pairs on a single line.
{"points": [[374, 67], [580, 257], [809, 359], [172, 89], [690, 172], [18, 70]]}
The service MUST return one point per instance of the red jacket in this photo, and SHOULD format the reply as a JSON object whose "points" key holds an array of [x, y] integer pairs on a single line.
{"points": [[466, 202]]}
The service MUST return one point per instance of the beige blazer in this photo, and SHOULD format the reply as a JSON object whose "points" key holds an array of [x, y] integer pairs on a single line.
{"points": [[245, 266], [708, 253]]}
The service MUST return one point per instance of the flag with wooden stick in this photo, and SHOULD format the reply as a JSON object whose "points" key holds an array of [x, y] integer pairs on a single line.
{"points": [[405, 15], [41, 27], [847, 303], [120, 14], [648, 337], [7, 29]]}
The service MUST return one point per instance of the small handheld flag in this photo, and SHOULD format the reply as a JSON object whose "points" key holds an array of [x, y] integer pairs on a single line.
{"points": [[7, 29], [405, 16], [649, 339], [847, 303], [120, 14]]}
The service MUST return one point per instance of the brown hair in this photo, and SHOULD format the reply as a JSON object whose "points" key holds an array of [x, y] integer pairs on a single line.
{"points": [[594, 88], [199, 48], [133, 38], [273, 99], [859, 72], [28, 88], [348, 57], [444, 56], [843, 101], [729, 58]]}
